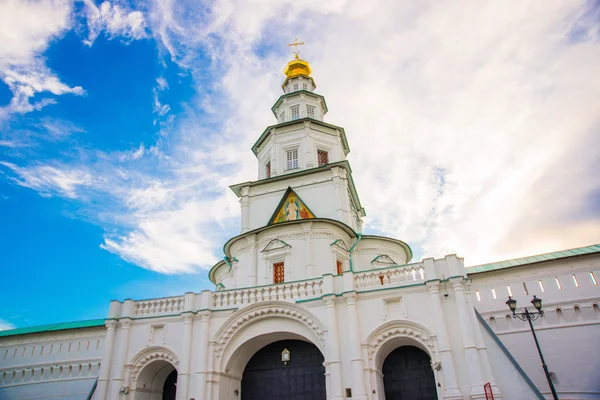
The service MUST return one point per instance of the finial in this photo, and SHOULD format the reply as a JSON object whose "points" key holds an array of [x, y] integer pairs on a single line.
{"points": [[296, 44]]}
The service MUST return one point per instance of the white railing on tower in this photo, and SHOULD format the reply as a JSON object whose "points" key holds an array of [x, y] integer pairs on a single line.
{"points": [[394, 276], [167, 305]]}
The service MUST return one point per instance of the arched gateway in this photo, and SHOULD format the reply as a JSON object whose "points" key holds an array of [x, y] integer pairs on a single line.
{"points": [[269, 376], [407, 374]]}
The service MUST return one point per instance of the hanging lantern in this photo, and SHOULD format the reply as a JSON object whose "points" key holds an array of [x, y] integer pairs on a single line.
{"points": [[285, 356]]}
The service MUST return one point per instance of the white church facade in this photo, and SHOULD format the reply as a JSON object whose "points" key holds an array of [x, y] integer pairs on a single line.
{"points": [[307, 307]]}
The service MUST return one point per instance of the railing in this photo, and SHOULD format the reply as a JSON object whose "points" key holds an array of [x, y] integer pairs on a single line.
{"points": [[168, 305], [389, 277], [285, 291]]}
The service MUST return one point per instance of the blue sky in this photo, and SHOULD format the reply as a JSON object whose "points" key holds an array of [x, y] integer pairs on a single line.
{"points": [[122, 124]]}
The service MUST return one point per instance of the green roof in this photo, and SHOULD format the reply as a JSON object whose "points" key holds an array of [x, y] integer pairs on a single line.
{"points": [[90, 323], [595, 248]]}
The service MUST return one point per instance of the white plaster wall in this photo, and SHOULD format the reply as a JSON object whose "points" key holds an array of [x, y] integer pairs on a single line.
{"points": [[51, 365], [571, 320]]}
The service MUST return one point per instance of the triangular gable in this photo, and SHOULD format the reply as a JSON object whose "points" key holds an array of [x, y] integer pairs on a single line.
{"points": [[275, 244], [341, 244], [383, 259], [290, 208]]}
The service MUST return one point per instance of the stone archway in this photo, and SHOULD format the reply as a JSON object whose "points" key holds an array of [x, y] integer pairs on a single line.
{"points": [[154, 374], [407, 374], [249, 330], [393, 335]]}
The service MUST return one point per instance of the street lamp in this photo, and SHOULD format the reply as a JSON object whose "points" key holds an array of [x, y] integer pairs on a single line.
{"points": [[532, 316]]}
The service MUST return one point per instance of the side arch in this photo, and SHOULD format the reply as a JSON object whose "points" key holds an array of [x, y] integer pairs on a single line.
{"points": [[148, 355]]}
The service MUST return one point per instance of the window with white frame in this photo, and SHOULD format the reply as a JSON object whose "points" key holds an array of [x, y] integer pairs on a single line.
{"points": [[282, 116], [310, 112], [295, 112], [295, 87], [292, 159], [278, 272], [305, 86]]}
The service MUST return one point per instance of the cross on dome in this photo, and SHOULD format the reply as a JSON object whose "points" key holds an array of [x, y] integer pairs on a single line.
{"points": [[296, 44]]}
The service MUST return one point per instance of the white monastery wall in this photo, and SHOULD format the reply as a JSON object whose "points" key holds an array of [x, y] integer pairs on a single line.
{"points": [[571, 320], [50, 365]]}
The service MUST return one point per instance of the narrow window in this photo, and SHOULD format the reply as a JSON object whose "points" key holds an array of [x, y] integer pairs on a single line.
{"points": [[339, 266], [525, 288], [541, 286], [509, 291], [494, 293], [295, 87], [310, 112], [282, 117], [304, 86], [558, 285], [575, 281], [295, 113], [292, 159], [323, 157], [593, 278], [268, 170], [478, 295], [278, 272]]}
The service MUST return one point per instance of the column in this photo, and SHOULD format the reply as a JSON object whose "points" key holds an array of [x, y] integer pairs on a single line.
{"points": [[253, 261], [309, 268], [333, 349], [481, 347], [202, 349], [451, 390], [183, 374], [104, 373], [121, 356], [337, 189], [245, 203], [358, 377], [470, 350]]}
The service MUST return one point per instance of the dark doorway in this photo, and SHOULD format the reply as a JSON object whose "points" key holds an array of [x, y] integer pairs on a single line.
{"points": [[266, 377], [407, 375], [170, 387]]}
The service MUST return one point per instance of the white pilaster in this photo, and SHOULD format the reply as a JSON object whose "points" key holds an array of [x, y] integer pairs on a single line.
{"points": [[470, 349], [121, 356], [333, 349], [183, 374], [358, 377], [450, 389], [253, 260], [245, 204], [104, 373], [202, 370]]}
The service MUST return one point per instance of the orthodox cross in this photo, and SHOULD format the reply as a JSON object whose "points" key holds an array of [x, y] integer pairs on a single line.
{"points": [[296, 44]]}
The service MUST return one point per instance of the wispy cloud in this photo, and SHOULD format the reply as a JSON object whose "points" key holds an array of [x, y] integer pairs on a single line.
{"points": [[114, 20], [27, 29], [4, 325]]}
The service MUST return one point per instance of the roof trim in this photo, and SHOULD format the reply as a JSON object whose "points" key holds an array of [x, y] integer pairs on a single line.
{"points": [[556, 255], [297, 92], [268, 129], [61, 326]]}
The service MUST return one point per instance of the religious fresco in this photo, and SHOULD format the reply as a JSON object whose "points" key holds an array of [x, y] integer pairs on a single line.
{"points": [[291, 208]]}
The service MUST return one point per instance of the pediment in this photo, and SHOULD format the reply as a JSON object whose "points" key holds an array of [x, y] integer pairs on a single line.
{"points": [[290, 208]]}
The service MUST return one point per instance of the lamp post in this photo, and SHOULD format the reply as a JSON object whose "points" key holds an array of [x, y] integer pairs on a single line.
{"points": [[532, 316]]}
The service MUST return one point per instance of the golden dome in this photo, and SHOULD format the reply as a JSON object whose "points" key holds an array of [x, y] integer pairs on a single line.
{"points": [[297, 67]]}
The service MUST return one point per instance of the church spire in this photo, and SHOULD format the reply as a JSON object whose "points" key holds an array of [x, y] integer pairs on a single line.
{"points": [[297, 72]]}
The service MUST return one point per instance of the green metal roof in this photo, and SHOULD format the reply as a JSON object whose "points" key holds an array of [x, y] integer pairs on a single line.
{"points": [[595, 248], [90, 323]]}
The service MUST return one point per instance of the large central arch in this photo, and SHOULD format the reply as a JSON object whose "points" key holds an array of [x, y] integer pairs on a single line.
{"points": [[250, 329]]}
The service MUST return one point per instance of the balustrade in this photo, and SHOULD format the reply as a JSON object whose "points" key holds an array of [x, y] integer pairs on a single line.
{"points": [[286, 291], [168, 305], [390, 277]]}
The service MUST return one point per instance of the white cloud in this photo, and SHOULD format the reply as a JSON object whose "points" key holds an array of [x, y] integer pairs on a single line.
{"points": [[4, 325], [114, 20], [51, 180], [472, 127], [26, 29]]}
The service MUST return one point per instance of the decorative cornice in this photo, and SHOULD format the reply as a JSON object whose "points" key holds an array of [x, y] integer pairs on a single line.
{"points": [[394, 329]]}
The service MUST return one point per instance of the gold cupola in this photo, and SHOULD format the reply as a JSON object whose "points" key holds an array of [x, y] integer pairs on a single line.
{"points": [[297, 67]]}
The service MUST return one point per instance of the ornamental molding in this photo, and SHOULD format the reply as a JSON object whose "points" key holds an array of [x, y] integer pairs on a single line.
{"points": [[297, 235], [400, 329], [150, 354], [263, 310]]}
